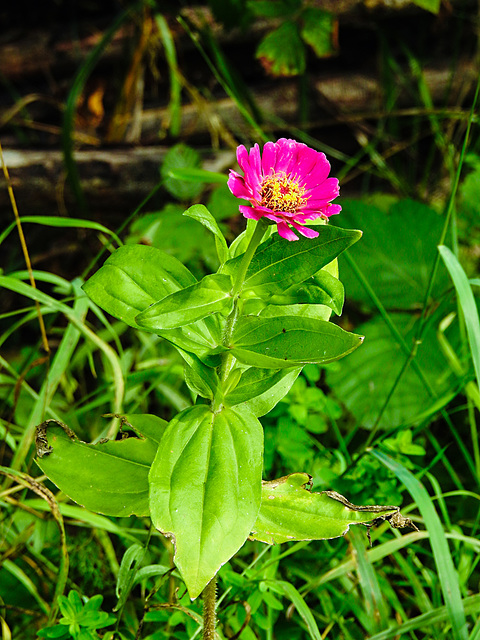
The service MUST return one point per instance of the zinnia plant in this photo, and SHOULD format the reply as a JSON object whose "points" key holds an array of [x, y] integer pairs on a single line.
{"points": [[244, 334]]}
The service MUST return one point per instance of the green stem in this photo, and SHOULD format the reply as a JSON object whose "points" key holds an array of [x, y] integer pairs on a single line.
{"points": [[228, 360], [209, 606], [255, 240]]}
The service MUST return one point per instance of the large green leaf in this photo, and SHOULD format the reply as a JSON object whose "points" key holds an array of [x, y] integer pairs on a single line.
{"points": [[282, 52], [181, 156], [199, 300], [314, 311], [205, 486], [137, 276], [289, 511], [261, 389], [109, 477], [364, 380], [200, 213], [396, 253], [289, 341], [202, 338], [278, 264], [322, 288], [200, 379], [133, 278], [320, 29]]}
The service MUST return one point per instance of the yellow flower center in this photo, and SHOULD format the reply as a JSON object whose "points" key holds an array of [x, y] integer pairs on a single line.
{"points": [[282, 193]]}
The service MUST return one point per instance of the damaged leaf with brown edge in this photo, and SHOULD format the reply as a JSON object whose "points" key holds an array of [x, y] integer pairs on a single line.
{"points": [[289, 511], [108, 477]]}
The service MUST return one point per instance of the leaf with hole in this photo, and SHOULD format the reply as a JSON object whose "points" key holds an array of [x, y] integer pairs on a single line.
{"points": [[289, 511]]}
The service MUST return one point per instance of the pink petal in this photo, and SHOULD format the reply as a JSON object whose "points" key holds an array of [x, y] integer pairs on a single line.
{"points": [[308, 159], [318, 174], [326, 190], [286, 154], [273, 216], [242, 157], [269, 158], [285, 231], [305, 231], [255, 161], [252, 170], [308, 217], [249, 212], [237, 186], [333, 209]]}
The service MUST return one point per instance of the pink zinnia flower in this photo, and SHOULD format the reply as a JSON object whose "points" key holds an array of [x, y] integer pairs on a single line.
{"points": [[288, 184]]}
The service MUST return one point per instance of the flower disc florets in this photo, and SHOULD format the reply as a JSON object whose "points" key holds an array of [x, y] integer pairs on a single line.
{"points": [[288, 184]]}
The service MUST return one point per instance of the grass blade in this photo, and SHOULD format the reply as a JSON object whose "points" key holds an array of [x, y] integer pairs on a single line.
{"points": [[467, 303], [441, 614], [58, 221], [301, 606], [446, 571]]}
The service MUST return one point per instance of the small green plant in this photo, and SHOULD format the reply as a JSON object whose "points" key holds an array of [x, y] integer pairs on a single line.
{"points": [[81, 618]]}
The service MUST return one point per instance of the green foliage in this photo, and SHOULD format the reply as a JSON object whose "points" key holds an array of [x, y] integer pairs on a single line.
{"points": [[133, 278], [80, 619], [429, 5], [282, 52], [181, 157], [211, 462], [277, 266], [366, 379], [318, 30], [196, 302], [204, 483], [260, 390], [290, 512], [396, 252], [121, 466], [290, 340], [203, 215], [177, 235]]}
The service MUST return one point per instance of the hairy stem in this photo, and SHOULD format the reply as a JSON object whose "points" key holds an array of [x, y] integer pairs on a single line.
{"points": [[209, 606]]}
